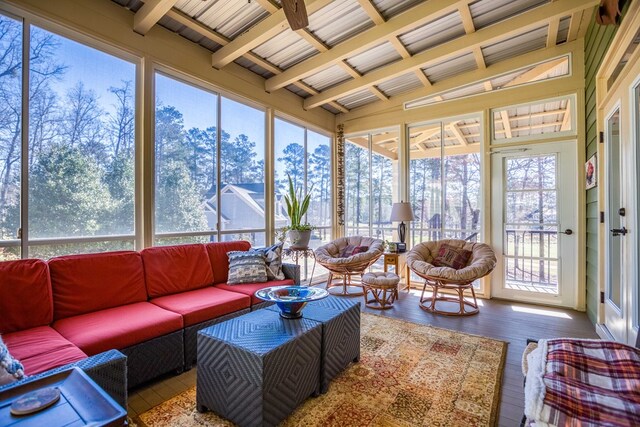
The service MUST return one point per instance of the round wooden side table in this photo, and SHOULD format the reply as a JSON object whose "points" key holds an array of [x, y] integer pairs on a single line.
{"points": [[383, 288]]}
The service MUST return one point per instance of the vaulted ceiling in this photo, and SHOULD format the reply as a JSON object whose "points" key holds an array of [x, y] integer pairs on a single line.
{"points": [[360, 52]]}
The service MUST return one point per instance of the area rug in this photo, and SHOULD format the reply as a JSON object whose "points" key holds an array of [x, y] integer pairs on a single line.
{"points": [[408, 375]]}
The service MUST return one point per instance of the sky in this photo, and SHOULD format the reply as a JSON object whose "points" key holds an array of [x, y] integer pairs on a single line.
{"points": [[99, 71]]}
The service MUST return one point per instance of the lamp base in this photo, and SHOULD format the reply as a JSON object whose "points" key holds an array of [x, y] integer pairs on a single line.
{"points": [[402, 229]]}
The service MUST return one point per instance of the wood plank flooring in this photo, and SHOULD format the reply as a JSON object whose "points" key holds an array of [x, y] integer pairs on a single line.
{"points": [[503, 320]]}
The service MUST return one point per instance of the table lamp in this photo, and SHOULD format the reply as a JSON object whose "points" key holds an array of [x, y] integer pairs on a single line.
{"points": [[401, 212]]}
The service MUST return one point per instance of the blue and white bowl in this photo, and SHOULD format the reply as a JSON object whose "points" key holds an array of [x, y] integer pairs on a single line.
{"points": [[291, 299]]}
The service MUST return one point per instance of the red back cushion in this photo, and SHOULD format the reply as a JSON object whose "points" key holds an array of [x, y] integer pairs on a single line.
{"points": [[173, 269], [91, 282], [25, 295], [452, 257], [219, 259]]}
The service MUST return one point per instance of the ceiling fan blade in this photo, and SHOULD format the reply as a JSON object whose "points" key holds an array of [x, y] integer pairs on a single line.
{"points": [[296, 13]]}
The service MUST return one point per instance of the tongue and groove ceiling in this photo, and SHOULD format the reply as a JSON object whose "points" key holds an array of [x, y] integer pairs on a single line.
{"points": [[359, 52]]}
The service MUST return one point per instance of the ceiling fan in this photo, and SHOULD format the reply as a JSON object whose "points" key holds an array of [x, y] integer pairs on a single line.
{"points": [[296, 13]]}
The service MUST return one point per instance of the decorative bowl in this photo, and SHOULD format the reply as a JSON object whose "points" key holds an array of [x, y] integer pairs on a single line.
{"points": [[291, 299]]}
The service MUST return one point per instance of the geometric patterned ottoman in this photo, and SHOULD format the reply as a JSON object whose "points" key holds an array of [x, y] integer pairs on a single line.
{"points": [[256, 369], [340, 334]]}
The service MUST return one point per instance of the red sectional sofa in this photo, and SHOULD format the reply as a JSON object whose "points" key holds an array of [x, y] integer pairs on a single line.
{"points": [[149, 305]]}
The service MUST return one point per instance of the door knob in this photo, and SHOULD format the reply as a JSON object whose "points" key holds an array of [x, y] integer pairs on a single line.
{"points": [[619, 231], [568, 232]]}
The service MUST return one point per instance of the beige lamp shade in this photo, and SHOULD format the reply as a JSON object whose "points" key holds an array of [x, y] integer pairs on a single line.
{"points": [[402, 212]]}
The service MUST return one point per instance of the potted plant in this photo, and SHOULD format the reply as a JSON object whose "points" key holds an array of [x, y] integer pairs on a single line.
{"points": [[297, 206]]}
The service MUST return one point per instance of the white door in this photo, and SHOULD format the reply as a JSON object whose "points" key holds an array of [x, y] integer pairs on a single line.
{"points": [[534, 219], [616, 250]]}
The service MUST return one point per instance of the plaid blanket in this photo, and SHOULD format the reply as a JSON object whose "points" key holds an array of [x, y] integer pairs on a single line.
{"points": [[575, 382]]}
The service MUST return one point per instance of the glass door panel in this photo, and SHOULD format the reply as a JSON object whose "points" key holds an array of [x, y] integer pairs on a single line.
{"points": [[10, 136]]}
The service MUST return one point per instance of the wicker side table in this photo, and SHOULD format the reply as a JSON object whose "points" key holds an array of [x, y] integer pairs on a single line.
{"points": [[340, 320], [383, 288], [256, 369]]}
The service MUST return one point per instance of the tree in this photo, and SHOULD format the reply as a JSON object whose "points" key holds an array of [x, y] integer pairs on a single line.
{"points": [[178, 204], [320, 178], [121, 123], [237, 161], [81, 125], [293, 159], [67, 195]]}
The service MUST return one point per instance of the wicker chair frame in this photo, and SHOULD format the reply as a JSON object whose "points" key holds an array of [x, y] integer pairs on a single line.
{"points": [[347, 271], [483, 262]]}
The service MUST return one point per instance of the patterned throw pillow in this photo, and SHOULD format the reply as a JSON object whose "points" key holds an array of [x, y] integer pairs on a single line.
{"points": [[246, 267], [10, 368], [453, 257], [351, 250], [273, 259]]}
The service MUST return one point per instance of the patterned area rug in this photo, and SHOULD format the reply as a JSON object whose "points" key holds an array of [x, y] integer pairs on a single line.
{"points": [[408, 375]]}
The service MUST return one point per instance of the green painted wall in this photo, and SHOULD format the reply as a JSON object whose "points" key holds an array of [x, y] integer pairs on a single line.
{"points": [[597, 40]]}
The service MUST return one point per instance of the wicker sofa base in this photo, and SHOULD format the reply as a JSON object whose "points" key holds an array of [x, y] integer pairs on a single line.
{"points": [[155, 357], [191, 337], [107, 369]]}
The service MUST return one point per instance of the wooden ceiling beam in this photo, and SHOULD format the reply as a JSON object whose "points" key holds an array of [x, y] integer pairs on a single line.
{"points": [[455, 130], [535, 73], [552, 32], [364, 143], [493, 33], [312, 40], [566, 120], [471, 77], [349, 69], [467, 19], [207, 32], [264, 30], [399, 47], [506, 124], [414, 17], [533, 115], [371, 10], [377, 92], [574, 25], [423, 78], [150, 13]]}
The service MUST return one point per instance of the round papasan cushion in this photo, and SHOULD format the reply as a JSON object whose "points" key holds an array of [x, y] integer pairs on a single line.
{"points": [[483, 261], [330, 253]]}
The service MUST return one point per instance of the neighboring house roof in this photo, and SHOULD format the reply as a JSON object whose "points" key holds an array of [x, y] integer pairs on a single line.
{"points": [[251, 194]]}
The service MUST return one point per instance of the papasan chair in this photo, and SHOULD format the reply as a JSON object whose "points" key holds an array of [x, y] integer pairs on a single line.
{"points": [[453, 265], [347, 257]]}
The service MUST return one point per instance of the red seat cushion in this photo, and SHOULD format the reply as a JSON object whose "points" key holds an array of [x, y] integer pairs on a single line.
{"points": [[251, 288], [118, 327], [25, 295], [220, 261], [42, 348], [203, 304], [172, 269], [91, 282]]}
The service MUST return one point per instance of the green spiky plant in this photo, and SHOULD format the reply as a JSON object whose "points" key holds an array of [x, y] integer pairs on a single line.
{"points": [[297, 206]]}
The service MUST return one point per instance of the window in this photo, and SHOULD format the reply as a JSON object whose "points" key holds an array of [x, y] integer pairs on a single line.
{"points": [[194, 175], [81, 146], [185, 162], [371, 182], [10, 135], [305, 156], [242, 172], [445, 180], [533, 121]]}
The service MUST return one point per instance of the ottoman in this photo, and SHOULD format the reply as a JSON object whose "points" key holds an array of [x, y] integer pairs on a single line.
{"points": [[383, 287], [256, 369], [340, 320]]}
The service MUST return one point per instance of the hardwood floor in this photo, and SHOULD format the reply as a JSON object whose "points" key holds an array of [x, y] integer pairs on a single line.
{"points": [[503, 320]]}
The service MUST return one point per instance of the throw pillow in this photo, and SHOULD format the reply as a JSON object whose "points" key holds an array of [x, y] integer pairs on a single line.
{"points": [[246, 267], [273, 260], [351, 250], [453, 257], [10, 368]]}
